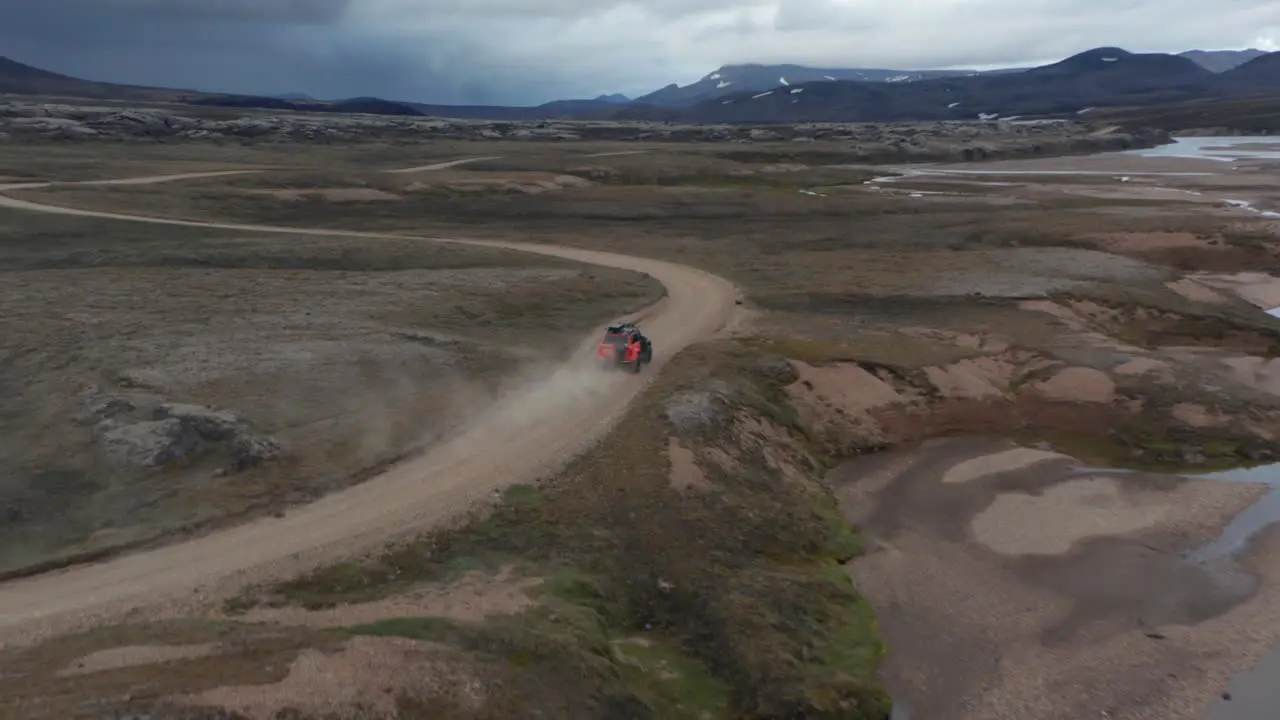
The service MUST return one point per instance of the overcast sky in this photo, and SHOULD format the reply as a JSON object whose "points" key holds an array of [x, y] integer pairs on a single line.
{"points": [[530, 51]]}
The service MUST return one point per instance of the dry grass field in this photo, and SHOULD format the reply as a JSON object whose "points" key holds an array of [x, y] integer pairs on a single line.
{"points": [[347, 353], [694, 564]]}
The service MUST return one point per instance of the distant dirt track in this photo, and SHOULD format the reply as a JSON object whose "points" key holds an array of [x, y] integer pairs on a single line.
{"points": [[524, 435]]}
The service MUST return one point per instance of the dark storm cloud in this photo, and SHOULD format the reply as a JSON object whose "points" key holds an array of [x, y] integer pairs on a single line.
{"points": [[527, 51], [287, 11]]}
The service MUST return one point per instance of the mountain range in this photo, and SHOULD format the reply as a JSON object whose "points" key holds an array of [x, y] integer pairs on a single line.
{"points": [[733, 79], [1102, 77]]}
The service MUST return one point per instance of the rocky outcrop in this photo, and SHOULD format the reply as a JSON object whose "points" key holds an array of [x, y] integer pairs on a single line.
{"points": [[151, 443], [864, 142], [174, 433], [208, 423], [694, 410]]}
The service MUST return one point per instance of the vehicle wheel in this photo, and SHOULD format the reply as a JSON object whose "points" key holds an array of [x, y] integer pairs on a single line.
{"points": [[635, 366]]}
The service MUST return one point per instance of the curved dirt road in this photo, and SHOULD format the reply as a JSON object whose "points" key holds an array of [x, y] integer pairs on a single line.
{"points": [[525, 434]]}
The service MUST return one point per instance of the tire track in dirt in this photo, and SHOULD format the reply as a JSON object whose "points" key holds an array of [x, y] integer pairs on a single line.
{"points": [[526, 434]]}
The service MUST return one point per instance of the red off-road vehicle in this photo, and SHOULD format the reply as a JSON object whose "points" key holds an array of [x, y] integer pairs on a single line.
{"points": [[624, 344]]}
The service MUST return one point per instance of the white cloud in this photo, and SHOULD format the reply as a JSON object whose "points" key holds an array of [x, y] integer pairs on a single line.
{"points": [[636, 43]]}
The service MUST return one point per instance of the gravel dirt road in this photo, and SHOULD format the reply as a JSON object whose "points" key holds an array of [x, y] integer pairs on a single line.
{"points": [[530, 431]]}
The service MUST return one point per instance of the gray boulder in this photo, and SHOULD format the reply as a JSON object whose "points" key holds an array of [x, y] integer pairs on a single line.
{"points": [[151, 443], [207, 423], [695, 410], [101, 408], [250, 450]]}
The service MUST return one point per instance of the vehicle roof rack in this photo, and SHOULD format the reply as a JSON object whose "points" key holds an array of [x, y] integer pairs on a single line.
{"points": [[620, 327]]}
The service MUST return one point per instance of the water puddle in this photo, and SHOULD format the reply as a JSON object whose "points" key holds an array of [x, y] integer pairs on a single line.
{"points": [[1235, 536], [1246, 205], [908, 173], [1255, 694], [1225, 149], [1255, 518]]}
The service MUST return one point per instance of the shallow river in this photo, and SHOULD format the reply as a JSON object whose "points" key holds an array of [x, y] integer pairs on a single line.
{"points": [[1253, 695], [1226, 149]]}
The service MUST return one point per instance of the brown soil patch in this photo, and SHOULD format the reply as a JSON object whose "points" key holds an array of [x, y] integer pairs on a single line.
{"points": [[1061, 312], [685, 473], [1068, 317], [134, 656], [1079, 384], [473, 598], [774, 443], [368, 674], [987, 377], [331, 194], [1050, 523], [1082, 317], [1260, 289], [838, 398], [1198, 415], [846, 385], [1196, 292], [1257, 372], [1261, 431], [1001, 462], [1140, 366], [722, 459]]}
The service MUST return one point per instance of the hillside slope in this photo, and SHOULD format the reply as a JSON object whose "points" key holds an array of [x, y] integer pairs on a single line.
{"points": [[1102, 77], [1262, 72], [20, 79], [731, 79], [1095, 78], [1221, 60]]}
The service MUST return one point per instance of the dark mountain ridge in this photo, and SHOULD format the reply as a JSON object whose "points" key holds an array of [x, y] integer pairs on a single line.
{"points": [[754, 77], [21, 79], [1262, 71], [1101, 77]]}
